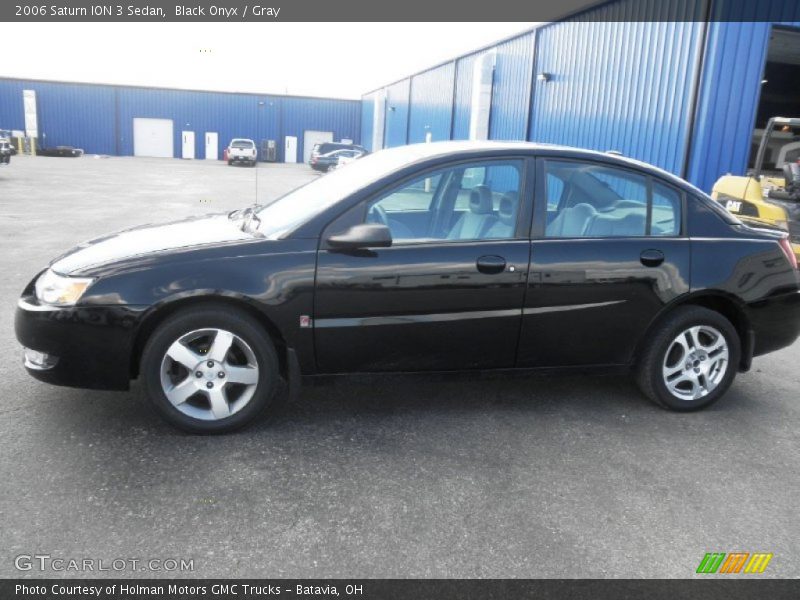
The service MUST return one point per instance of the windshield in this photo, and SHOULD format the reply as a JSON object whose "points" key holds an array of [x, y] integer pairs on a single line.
{"points": [[242, 144], [299, 206]]}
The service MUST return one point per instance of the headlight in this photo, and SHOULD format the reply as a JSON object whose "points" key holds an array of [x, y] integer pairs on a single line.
{"points": [[58, 290]]}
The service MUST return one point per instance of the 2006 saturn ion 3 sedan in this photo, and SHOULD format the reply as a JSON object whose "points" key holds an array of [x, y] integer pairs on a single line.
{"points": [[444, 256]]}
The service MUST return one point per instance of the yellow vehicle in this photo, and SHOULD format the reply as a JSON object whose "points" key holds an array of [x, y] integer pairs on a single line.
{"points": [[769, 194]]}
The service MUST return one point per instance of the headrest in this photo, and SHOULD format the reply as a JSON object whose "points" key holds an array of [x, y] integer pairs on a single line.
{"points": [[480, 200], [507, 211]]}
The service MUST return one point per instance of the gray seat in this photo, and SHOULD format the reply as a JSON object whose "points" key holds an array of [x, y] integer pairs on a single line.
{"points": [[507, 217], [605, 225], [473, 224], [572, 222]]}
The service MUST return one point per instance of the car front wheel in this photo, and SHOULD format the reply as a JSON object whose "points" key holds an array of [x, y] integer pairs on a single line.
{"points": [[690, 359], [210, 369]]}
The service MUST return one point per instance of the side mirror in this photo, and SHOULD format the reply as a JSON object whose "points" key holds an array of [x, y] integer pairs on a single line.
{"points": [[365, 235]]}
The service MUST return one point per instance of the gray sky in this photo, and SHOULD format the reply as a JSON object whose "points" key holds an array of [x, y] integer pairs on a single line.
{"points": [[317, 59]]}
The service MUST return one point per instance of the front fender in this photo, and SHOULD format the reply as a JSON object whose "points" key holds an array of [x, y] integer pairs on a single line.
{"points": [[277, 286]]}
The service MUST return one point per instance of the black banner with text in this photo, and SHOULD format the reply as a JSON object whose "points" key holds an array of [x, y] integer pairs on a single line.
{"points": [[390, 589]]}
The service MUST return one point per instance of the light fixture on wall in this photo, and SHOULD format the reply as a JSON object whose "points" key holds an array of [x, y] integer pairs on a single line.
{"points": [[544, 77]]}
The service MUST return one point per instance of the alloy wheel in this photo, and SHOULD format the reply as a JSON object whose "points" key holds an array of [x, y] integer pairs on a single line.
{"points": [[696, 362], [209, 374]]}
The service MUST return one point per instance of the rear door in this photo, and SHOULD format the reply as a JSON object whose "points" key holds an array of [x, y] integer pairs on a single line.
{"points": [[608, 252], [448, 293]]}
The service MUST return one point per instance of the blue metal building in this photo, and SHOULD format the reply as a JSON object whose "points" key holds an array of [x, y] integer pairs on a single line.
{"points": [[677, 84], [100, 118]]}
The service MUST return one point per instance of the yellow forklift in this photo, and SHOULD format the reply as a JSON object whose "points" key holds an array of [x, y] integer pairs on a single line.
{"points": [[770, 193]]}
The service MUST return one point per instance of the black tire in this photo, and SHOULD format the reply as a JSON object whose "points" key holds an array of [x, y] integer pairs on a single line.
{"points": [[230, 162], [205, 317], [649, 368]]}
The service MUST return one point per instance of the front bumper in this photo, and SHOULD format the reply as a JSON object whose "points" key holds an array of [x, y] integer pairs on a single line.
{"points": [[83, 346], [775, 322]]}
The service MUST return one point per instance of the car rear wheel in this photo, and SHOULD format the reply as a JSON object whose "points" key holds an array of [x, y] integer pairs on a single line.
{"points": [[690, 359], [210, 369]]}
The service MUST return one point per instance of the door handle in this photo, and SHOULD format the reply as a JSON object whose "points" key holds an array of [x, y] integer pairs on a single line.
{"points": [[651, 258], [491, 264]]}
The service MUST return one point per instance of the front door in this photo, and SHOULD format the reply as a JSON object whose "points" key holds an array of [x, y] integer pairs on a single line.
{"points": [[447, 294], [608, 255], [188, 144]]}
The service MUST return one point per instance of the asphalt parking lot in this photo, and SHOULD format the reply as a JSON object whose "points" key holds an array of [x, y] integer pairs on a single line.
{"points": [[437, 476]]}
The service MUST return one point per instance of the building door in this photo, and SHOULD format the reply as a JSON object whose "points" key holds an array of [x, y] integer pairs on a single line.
{"points": [[314, 137], [290, 149], [188, 144], [212, 145], [153, 137]]}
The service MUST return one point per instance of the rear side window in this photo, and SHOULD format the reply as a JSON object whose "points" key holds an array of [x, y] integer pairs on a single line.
{"points": [[666, 212], [593, 200]]}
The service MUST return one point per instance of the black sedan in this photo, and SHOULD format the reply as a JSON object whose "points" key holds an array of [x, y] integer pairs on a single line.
{"points": [[62, 151], [432, 257]]}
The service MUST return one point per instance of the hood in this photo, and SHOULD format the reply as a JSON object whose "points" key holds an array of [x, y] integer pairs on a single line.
{"points": [[150, 239]]}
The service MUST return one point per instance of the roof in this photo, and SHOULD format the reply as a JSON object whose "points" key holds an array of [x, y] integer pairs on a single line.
{"points": [[133, 86]]}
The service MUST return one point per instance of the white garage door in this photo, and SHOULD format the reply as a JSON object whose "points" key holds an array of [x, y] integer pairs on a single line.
{"points": [[152, 137], [314, 137]]}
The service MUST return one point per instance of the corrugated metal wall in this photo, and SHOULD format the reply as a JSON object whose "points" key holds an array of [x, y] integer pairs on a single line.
{"points": [[99, 118], [730, 86], [339, 116], [644, 77], [367, 117], [463, 96], [511, 89], [230, 115], [624, 86], [68, 114], [396, 127], [431, 104]]}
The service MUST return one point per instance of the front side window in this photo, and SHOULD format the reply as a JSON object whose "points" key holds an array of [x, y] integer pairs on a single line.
{"points": [[472, 201], [593, 200]]}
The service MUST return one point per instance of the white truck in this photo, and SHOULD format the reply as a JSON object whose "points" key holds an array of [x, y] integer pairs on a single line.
{"points": [[242, 150]]}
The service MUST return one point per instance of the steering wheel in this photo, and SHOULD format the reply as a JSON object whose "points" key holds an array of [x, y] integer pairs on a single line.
{"points": [[377, 214]]}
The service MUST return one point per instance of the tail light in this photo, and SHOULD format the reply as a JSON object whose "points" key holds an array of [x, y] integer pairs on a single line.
{"points": [[786, 246]]}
